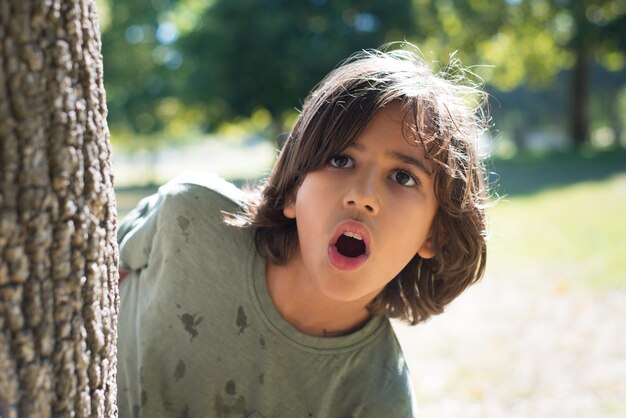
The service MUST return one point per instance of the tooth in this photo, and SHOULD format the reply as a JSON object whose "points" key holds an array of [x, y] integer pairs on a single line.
{"points": [[353, 235]]}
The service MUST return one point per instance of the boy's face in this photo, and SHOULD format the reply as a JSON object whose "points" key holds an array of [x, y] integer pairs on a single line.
{"points": [[366, 214]]}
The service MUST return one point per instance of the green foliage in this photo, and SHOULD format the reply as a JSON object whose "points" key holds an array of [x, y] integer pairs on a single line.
{"points": [[531, 42], [525, 41], [135, 70], [186, 66], [227, 59], [270, 53]]}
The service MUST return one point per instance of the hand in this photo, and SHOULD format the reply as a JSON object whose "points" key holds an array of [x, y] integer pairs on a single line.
{"points": [[123, 274]]}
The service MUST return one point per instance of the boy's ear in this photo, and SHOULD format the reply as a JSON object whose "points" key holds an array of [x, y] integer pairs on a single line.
{"points": [[427, 250], [290, 209]]}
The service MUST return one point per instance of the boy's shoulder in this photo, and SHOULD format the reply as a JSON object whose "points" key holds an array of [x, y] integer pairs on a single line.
{"points": [[188, 182]]}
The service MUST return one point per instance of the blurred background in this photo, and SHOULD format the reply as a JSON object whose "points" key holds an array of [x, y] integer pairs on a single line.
{"points": [[212, 84]]}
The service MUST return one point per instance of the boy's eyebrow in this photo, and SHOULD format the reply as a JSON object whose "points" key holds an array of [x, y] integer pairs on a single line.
{"points": [[407, 159]]}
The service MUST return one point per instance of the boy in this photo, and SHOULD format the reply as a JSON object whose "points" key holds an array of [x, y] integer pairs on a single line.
{"points": [[278, 306]]}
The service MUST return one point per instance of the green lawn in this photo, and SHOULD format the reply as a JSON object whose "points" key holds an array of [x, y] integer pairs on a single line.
{"points": [[566, 236]]}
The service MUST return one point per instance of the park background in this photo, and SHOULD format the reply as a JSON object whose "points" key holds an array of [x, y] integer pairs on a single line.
{"points": [[212, 84]]}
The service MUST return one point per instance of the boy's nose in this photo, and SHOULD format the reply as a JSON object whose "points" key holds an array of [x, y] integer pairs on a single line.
{"points": [[363, 197]]}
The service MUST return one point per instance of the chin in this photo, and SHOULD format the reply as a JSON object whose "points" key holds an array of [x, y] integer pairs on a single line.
{"points": [[347, 294]]}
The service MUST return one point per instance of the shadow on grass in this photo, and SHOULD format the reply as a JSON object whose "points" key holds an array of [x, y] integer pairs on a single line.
{"points": [[528, 174]]}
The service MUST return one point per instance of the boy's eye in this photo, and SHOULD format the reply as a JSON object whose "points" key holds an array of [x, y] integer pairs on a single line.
{"points": [[341, 161], [404, 178]]}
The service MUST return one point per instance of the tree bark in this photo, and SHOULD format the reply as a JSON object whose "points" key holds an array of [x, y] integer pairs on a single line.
{"points": [[58, 255]]}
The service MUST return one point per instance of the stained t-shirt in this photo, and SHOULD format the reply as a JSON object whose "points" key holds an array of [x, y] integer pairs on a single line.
{"points": [[199, 335]]}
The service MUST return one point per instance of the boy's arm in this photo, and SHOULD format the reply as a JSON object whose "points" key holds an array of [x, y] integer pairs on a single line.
{"points": [[123, 274], [135, 233]]}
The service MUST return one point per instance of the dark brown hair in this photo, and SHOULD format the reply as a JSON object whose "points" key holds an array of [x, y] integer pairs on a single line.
{"points": [[443, 112]]}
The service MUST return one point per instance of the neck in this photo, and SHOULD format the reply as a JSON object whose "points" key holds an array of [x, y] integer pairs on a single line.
{"points": [[300, 303]]}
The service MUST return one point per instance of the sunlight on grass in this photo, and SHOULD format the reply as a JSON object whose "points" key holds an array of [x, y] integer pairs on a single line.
{"points": [[566, 237], [540, 335]]}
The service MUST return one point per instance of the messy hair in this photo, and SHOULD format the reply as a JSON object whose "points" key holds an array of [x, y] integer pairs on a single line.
{"points": [[443, 112]]}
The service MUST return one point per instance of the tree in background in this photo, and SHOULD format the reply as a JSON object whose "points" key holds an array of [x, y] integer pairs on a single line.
{"points": [[140, 65], [58, 255], [207, 62], [270, 53], [598, 31], [530, 42], [172, 65]]}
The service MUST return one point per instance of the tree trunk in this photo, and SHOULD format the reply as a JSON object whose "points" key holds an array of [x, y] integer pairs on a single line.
{"points": [[581, 76], [58, 256], [615, 117], [276, 131], [580, 90]]}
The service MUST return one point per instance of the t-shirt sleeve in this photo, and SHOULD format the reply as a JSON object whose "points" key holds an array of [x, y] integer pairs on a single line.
{"points": [[394, 398], [136, 232]]}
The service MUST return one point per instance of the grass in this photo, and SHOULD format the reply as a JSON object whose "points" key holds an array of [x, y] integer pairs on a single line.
{"points": [[568, 236]]}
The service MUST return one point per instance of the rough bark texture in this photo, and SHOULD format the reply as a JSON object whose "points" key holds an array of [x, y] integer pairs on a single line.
{"points": [[58, 257]]}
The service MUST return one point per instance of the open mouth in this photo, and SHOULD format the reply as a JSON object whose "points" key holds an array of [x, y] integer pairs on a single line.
{"points": [[349, 249], [350, 244]]}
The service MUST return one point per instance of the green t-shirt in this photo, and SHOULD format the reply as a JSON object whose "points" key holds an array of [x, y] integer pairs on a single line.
{"points": [[199, 335]]}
